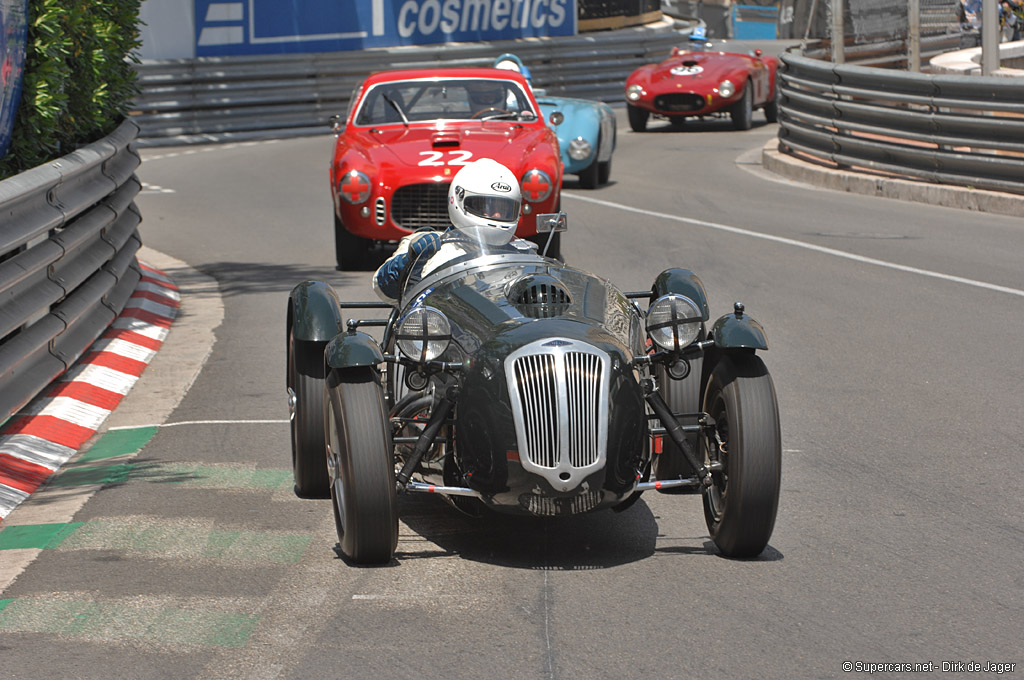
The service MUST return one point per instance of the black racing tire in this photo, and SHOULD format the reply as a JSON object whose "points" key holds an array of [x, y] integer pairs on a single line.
{"points": [[741, 504], [590, 174], [682, 397], [351, 252], [361, 463], [309, 448], [637, 117], [604, 172], [771, 109], [742, 112]]}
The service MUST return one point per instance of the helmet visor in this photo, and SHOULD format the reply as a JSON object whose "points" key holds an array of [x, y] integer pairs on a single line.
{"points": [[497, 208]]}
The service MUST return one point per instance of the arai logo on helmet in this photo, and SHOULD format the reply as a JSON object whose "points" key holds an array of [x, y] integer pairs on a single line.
{"points": [[501, 186]]}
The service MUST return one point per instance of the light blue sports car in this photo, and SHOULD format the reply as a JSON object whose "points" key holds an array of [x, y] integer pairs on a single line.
{"points": [[585, 129]]}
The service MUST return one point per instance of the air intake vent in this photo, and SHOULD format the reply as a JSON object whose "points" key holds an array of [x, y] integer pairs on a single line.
{"points": [[415, 206], [380, 213], [539, 296]]}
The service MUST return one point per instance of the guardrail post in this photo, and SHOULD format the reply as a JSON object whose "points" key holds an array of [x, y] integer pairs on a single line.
{"points": [[914, 35], [837, 36], [989, 37]]}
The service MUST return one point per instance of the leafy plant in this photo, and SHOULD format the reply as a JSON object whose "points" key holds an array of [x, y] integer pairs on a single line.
{"points": [[78, 81]]}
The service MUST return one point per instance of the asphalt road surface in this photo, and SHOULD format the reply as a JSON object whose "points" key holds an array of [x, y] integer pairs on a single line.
{"points": [[895, 333]]}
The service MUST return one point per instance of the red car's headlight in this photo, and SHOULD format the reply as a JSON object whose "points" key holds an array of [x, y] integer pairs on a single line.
{"points": [[536, 185], [354, 187]]}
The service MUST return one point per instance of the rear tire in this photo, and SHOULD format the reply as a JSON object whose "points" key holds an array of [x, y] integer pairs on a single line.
{"points": [[361, 463], [637, 117], [741, 504], [306, 382], [350, 251]]}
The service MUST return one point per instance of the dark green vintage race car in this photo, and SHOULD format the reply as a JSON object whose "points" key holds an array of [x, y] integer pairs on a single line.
{"points": [[509, 380]]}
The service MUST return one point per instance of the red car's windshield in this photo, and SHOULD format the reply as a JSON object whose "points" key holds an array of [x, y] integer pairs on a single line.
{"points": [[449, 99]]}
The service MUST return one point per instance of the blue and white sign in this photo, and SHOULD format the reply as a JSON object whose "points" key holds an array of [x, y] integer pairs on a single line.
{"points": [[275, 26], [13, 36]]}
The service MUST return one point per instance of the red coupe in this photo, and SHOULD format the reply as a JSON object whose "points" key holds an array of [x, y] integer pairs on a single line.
{"points": [[700, 82], [406, 135]]}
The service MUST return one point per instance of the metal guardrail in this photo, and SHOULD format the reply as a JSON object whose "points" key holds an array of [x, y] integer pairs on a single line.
{"points": [[67, 260], [961, 130], [212, 99]]}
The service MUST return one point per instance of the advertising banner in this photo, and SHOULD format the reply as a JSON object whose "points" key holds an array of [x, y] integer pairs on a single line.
{"points": [[276, 26], [13, 25]]}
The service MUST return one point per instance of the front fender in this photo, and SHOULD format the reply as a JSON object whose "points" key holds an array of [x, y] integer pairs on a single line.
{"points": [[682, 282], [739, 331], [314, 312], [352, 349]]}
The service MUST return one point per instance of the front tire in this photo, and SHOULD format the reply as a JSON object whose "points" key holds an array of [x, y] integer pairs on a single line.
{"points": [[361, 463], [637, 117], [741, 504], [682, 397], [743, 111], [306, 391], [350, 251], [604, 172], [589, 176]]}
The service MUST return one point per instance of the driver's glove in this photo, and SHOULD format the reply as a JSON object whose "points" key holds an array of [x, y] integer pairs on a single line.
{"points": [[426, 243]]}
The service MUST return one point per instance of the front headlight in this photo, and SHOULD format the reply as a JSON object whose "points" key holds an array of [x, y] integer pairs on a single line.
{"points": [[634, 92], [354, 187], [535, 185], [579, 149], [726, 88], [424, 334], [673, 321]]}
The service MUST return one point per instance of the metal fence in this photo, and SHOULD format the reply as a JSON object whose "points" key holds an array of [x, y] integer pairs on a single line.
{"points": [[67, 261], [961, 130], [211, 99]]}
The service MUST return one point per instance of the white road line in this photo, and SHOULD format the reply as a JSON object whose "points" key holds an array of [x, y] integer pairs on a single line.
{"points": [[205, 422], [801, 244]]}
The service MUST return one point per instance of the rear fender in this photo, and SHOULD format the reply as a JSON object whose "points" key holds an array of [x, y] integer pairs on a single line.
{"points": [[682, 282], [353, 349], [314, 313]]}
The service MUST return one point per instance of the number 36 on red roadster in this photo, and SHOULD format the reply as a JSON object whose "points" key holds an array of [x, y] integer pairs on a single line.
{"points": [[511, 381]]}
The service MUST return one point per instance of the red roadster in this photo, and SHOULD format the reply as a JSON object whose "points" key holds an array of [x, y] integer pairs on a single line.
{"points": [[406, 135], [698, 82]]}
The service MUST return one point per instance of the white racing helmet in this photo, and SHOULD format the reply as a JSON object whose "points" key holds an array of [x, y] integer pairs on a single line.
{"points": [[484, 201]]}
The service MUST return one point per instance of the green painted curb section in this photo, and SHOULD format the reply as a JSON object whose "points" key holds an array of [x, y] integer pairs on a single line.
{"points": [[40, 536], [222, 476], [119, 443], [106, 474], [155, 537], [114, 622]]}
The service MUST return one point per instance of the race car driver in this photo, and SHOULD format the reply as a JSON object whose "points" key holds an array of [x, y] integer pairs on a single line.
{"points": [[483, 204]]}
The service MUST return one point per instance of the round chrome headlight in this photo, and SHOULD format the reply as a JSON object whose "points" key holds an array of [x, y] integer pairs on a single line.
{"points": [[634, 92], [673, 321], [579, 149], [354, 187], [424, 334], [726, 88], [535, 185]]}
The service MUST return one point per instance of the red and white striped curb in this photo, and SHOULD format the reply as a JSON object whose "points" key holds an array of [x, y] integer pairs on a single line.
{"points": [[51, 428]]}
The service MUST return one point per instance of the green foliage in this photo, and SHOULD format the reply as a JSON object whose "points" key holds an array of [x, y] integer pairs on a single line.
{"points": [[78, 82]]}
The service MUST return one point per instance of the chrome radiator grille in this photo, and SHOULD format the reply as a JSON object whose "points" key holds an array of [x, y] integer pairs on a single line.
{"points": [[559, 392], [421, 205]]}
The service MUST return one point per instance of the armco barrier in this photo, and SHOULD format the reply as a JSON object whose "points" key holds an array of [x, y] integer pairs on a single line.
{"points": [[68, 237], [211, 99], [961, 130]]}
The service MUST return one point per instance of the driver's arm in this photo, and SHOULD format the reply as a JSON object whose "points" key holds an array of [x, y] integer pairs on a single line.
{"points": [[411, 247]]}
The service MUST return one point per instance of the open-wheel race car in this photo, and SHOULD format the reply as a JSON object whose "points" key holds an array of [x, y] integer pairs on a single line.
{"points": [[698, 81], [508, 380]]}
